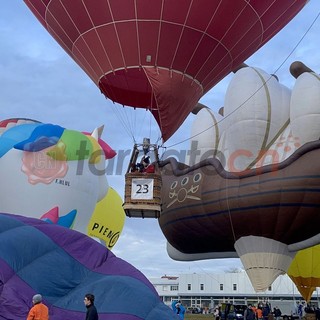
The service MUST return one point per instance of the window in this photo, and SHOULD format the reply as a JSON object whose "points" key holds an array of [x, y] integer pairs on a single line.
{"points": [[201, 286], [174, 288], [221, 286], [270, 289], [189, 286], [234, 287]]}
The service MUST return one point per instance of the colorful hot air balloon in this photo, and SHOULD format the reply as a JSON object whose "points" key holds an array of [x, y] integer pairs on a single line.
{"points": [[52, 173], [304, 271], [161, 55]]}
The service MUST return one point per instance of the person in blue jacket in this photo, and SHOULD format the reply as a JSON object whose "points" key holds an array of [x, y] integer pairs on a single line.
{"points": [[178, 308]]}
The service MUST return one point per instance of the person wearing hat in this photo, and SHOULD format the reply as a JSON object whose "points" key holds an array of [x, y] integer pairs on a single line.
{"points": [[39, 311], [92, 313]]}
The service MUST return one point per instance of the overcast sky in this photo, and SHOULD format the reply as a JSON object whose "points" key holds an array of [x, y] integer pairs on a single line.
{"points": [[39, 80]]}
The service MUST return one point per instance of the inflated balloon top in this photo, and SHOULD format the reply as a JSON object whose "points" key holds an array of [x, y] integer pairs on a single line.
{"points": [[161, 55]]}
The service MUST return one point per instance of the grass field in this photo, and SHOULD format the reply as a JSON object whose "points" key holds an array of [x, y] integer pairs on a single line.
{"points": [[190, 316]]}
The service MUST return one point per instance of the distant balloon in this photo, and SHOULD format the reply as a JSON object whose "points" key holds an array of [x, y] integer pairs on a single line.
{"points": [[64, 265], [304, 271], [51, 173], [161, 55]]}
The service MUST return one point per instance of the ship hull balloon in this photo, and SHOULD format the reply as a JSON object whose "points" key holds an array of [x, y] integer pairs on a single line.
{"points": [[206, 210]]}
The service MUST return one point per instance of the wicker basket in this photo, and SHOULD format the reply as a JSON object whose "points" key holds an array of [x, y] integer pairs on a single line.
{"points": [[140, 201]]}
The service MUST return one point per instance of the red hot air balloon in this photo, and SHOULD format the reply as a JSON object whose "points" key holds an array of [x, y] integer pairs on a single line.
{"points": [[163, 55]]}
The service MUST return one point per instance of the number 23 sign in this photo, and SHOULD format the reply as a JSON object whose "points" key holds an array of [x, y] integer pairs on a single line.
{"points": [[142, 189]]}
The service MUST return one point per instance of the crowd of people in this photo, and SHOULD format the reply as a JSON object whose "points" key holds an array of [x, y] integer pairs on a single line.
{"points": [[262, 312]]}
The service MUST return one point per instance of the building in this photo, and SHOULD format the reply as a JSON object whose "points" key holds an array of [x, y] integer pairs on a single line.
{"points": [[209, 290]]}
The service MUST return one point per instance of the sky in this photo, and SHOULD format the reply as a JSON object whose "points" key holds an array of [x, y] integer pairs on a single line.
{"points": [[38, 80]]}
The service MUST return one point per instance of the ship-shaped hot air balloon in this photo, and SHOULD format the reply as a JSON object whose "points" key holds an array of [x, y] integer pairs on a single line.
{"points": [[259, 202]]}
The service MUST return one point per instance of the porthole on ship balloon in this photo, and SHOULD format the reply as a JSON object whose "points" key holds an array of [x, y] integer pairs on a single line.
{"points": [[183, 190]]}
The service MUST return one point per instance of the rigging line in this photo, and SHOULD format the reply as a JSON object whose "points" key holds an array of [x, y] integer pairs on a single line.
{"points": [[142, 122], [120, 117], [253, 40], [298, 43], [263, 84], [128, 121], [150, 124]]}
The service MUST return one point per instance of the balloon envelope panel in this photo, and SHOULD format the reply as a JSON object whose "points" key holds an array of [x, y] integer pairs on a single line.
{"points": [[64, 265], [305, 271]]}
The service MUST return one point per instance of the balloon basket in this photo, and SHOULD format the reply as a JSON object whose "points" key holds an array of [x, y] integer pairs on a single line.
{"points": [[142, 195]]}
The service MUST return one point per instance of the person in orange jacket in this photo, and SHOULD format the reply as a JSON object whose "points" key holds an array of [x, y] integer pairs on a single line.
{"points": [[259, 314], [39, 311]]}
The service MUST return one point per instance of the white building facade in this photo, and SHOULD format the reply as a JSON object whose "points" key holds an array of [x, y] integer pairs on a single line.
{"points": [[209, 290]]}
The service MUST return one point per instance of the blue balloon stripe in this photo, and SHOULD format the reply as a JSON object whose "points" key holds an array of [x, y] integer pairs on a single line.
{"points": [[94, 257], [14, 135], [42, 137]]}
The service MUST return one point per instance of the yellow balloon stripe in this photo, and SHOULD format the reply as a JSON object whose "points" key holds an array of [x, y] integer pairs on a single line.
{"points": [[108, 218]]}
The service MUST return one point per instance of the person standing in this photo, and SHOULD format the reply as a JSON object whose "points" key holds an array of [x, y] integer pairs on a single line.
{"points": [[39, 311], [178, 308], [216, 313], [259, 313], [92, 313], [277, 313], [249, 314]]}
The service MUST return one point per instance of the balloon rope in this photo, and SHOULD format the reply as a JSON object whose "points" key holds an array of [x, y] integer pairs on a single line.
{"points": [[117, 112], [229, 213], [298, 43]]}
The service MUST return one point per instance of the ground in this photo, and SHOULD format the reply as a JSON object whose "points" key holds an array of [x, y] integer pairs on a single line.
{"points": [[190, 316]]}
